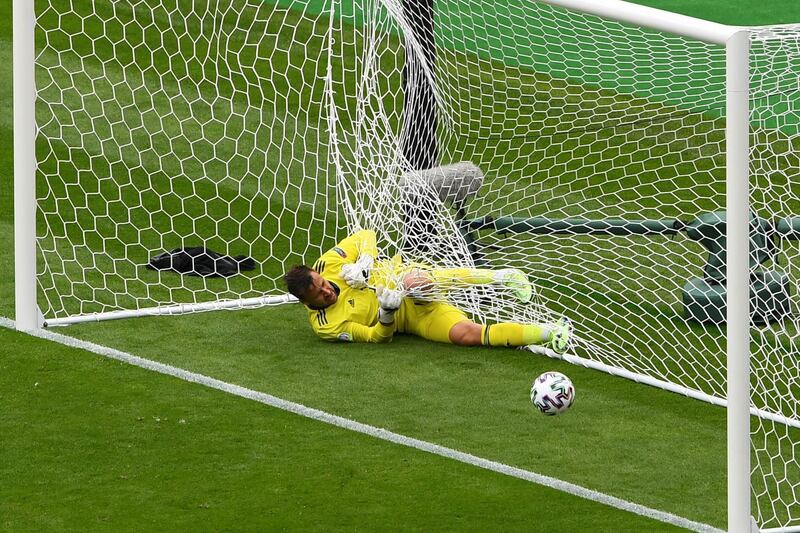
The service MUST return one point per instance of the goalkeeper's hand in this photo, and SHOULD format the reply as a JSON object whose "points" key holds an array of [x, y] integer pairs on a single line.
{"points": [[389, 301], [356, 275]]}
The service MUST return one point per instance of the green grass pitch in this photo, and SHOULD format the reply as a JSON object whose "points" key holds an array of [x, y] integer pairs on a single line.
{"points": [[90, 444]]}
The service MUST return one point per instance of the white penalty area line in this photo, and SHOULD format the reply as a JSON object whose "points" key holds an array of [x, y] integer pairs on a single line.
{"points": [[372, 431]]}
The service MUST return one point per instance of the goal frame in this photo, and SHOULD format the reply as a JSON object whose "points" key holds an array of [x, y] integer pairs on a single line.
{"points": [[734, 39], [24, 58], [737, 48]]}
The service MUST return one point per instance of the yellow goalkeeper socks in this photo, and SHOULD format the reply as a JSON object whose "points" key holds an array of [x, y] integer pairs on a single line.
{"points": [[510, 334], [461, 277]]}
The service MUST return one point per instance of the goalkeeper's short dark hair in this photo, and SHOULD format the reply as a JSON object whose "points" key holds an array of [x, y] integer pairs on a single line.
{"points": [[298, 280]]}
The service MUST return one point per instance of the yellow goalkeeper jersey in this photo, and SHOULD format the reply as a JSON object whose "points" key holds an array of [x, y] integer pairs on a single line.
{"points": [[354, 316]]}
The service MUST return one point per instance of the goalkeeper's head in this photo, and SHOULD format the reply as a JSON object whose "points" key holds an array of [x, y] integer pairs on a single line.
{"points": [[310, 288]]}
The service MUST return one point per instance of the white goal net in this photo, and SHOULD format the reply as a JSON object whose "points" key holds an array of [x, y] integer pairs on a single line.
{"points": [[272, 129], [775, 196]]}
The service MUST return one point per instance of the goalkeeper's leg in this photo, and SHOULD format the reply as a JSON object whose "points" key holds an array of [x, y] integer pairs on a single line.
{"points": [[556, 336], [442, 322], [449, 278]]}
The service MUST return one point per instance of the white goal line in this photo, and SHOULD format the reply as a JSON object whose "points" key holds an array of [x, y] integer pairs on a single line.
{"points": [[380, 433]]}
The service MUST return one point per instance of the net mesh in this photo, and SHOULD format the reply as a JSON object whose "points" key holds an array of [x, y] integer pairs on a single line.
{"points": [[177, 124], [775, 366], [273, 130]]}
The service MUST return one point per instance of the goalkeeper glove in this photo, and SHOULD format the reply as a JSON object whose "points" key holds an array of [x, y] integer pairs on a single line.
{"points": [[389, 301], [356, 275]]}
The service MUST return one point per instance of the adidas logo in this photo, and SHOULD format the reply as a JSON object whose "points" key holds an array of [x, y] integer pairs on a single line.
{"points": [[352, 302]]}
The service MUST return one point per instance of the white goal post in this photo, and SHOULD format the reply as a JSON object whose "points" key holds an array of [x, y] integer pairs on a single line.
{"points": [[27, 310], [636, 164], [737, 45]]}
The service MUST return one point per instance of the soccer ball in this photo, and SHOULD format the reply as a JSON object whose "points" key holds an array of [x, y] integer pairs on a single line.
{"points": [[552, 393]]}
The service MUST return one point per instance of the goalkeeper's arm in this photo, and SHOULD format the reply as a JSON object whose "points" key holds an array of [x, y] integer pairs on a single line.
{"points": [[362, 247], [359, 244], [389, 301], [355, 332]]}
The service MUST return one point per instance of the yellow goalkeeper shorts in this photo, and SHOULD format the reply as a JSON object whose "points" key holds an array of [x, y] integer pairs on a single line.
{"points": [[429, 320]]}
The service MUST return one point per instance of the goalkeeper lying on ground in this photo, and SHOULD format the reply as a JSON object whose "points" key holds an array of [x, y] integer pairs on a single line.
{"points": [[342, 307]]}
